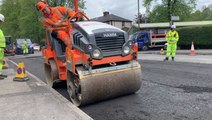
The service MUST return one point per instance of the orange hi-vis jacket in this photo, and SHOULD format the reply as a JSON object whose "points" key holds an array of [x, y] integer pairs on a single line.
{"points": [[57, 20]]}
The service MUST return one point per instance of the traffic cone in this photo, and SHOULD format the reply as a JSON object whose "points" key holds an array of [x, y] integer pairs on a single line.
{"points": [[161, 51], [4, 64], [193, 52], [21, 73]]}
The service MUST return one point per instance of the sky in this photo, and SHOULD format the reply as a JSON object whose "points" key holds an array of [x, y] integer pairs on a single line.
{"points": [[123, 8]]}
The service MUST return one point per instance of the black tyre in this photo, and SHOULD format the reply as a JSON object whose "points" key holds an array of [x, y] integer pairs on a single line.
{"points": [[145, 48], [74, 88]]}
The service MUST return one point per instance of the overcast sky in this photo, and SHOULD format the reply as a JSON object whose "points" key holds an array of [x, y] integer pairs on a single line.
{"points": [[123, 8]]}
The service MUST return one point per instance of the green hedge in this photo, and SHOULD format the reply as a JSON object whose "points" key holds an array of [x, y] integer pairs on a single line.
{"points": [[201, 35]]}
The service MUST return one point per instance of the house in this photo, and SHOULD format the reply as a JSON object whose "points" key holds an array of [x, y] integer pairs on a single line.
{"points": [[114, 20]]}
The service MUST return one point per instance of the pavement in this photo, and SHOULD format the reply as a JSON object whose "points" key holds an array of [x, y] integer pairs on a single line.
{"points": [[181, 52], [34, 100], [201, 56]]}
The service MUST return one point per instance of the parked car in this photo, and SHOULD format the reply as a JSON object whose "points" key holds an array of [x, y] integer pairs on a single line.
{"points": [[18, 46], [36, 47]]}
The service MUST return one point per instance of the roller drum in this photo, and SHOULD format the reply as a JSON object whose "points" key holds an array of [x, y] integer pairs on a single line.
{"points": [[110, 85]]}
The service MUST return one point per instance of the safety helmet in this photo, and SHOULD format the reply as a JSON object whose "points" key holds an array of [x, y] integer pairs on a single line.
{"points": [[41, 5], [173, 26], [1, 17]]}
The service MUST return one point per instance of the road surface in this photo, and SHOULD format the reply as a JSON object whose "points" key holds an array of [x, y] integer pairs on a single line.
{"points": [[170, 91]]}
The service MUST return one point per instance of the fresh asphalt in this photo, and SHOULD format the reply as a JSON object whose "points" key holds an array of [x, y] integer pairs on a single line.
{"points": [[170, 90]]}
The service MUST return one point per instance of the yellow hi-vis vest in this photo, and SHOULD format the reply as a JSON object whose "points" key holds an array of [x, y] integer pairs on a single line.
{"points": [[2, 40], [172, 36], [24, 44]]}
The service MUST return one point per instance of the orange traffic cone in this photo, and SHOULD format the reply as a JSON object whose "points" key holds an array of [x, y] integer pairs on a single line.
{"points": [[21, 73], [4, 64], [193, 52], [161, 51]]}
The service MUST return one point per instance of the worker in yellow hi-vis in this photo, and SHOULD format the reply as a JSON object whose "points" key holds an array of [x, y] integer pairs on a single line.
{"points": [[24, 47], [172, 38], [2, 46]]}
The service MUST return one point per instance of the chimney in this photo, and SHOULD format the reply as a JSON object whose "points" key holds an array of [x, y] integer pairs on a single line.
{"points": [[105, 13]]}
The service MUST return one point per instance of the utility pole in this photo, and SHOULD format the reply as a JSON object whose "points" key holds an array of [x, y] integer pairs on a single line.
{"points": [[170, 12], [138, 16]]}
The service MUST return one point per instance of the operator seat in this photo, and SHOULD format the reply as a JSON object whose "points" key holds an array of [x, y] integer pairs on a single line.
{"points": [[58, 46]]}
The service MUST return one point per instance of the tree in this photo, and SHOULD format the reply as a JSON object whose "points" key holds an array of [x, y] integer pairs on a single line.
{"points": [[68, 3], [29, 23], [163, 12], [196, 16], [159, 14], [204, 14], [10, 10], [142, 18], [22, 20], [207, 13]]}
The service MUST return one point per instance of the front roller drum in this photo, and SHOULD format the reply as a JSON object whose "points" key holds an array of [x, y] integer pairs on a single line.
{"points": [[101, 87]]}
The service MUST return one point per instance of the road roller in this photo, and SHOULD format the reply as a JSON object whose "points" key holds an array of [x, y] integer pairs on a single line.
{"points": [[101, 64]]}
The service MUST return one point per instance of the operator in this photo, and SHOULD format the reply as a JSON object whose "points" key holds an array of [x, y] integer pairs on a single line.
{"points": [[2, 46], [172, 38], [24, 47], [55, 20]]}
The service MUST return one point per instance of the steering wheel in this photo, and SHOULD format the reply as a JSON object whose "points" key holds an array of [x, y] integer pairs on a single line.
{"points": [[78, 15]]}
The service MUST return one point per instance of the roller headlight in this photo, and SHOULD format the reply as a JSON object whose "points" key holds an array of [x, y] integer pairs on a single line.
{"points": [[96, 53], [126, 50], [127, 47]]}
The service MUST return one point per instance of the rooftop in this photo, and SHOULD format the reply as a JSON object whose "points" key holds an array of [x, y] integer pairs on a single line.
{"points": [[109, 17]]}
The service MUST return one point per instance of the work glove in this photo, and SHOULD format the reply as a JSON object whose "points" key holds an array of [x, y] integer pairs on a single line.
{"points": [[76, 19], [80, 19]]}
